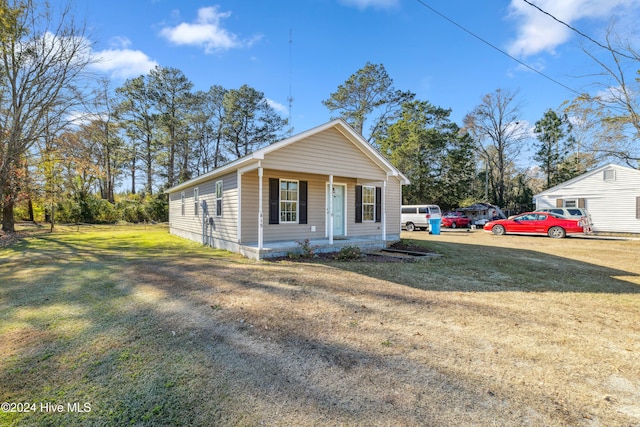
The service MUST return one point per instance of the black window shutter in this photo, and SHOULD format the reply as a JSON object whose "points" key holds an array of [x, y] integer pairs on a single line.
{"points": [[358, 203], [378, 204], [274, 199], [302, 198]]}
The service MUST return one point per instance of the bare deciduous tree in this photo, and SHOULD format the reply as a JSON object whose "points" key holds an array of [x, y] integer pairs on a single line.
{"points": [[495, 126], [614, 107], [43, 53]]}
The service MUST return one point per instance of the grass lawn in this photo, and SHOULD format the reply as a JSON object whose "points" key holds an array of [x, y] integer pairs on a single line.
{"points": [[132, 326]]}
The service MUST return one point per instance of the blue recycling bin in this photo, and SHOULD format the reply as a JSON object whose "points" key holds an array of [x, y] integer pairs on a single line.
{"points": [[434, 225]]}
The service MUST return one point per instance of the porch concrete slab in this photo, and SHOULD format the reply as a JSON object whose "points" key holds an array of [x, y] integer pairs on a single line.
{"points": [[284, 248]]}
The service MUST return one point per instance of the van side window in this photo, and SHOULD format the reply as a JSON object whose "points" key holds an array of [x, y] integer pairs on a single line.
{"points": [[423, 210], [408, 210]]}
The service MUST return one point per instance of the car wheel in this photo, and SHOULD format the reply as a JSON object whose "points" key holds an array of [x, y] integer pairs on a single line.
{"points": [[556, 232], [498, 230], [453, 225], [410, 226]]}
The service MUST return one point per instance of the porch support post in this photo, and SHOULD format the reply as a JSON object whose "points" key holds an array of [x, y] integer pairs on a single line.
{"points": [[331, 209], [384, 211], [260, 212], [239, 223]]}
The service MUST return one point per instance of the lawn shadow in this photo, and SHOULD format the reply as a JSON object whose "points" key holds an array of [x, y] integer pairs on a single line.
{"points": [[177, 336]]}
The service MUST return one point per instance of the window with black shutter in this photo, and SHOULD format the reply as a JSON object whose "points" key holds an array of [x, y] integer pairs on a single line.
{"points": [[378, 204], [288, 201], [358, 203], [274, 199], [302, 205]]}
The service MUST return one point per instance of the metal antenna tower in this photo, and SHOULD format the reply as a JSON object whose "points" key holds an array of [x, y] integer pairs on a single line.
{"points": [[290, 97]]}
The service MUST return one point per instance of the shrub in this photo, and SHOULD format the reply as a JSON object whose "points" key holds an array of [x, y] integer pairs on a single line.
{"points": [[308, 251], [349, 253], [157, 207]]}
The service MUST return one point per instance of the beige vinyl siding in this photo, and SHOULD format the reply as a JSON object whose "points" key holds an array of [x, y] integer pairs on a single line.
{"points": [[249, 203], [316, 208], [392, 207], [223, 227], [393, 202], [176, 218], [326, 153], [277, 232]]}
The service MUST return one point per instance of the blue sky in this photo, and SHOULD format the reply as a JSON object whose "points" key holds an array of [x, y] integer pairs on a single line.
{"points": [[231, 43]]}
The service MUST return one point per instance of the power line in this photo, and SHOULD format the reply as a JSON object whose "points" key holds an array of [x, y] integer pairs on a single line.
{"points": [[498, 49], [578, 31]]}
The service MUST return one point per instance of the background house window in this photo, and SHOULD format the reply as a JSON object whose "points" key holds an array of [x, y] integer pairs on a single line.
{"points": [[182, 202], [288, 201], [609, 175], [196, 200], [368, 203], [218, 198], [570, 203]]}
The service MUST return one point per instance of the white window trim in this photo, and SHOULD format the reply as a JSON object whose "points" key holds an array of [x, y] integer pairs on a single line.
{"points": [[219, 198], [297, 201], [373, 204], [196, 201]]}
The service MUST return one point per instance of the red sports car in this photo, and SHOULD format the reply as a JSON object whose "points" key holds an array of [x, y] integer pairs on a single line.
{"points": [[536, 223], [455, 219]]}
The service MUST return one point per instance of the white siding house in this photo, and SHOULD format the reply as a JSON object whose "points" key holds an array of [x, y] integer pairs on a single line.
{"points": [[327, 185], [610, 193]]}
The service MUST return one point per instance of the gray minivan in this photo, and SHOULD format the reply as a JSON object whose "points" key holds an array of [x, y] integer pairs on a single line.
{"points": [[416, 217]]}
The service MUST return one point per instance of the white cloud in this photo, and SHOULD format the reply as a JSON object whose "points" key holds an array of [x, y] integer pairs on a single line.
{"points": [[206, 32], [538, 32], [120, 62], [123, 63], [377, 4], [277, 106]]}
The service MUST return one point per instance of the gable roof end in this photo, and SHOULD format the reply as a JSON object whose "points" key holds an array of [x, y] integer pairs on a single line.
{"points": [[583, 176], [339, 124]]}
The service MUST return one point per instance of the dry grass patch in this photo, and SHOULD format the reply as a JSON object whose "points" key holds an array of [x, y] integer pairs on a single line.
{"points": [[153, 330]]}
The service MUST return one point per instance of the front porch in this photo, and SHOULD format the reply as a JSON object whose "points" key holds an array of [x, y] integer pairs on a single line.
{"points": [[284, 248]]}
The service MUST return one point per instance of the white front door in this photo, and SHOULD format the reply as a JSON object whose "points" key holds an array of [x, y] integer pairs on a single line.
{"points": [[338, 193]]}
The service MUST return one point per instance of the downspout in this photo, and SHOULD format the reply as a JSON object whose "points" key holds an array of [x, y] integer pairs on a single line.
{"points": [[205, 237]]}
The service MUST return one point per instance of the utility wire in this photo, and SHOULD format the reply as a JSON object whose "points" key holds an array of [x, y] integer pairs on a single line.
{"points": [[498, 49], [578, 31]]}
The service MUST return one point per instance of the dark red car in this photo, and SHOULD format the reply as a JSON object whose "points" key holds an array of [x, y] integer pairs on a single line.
{"points": [[540, 223], [455, 220]]}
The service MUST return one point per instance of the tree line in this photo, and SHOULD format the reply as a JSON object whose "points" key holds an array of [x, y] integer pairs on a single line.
{"points": [[68, 141]]}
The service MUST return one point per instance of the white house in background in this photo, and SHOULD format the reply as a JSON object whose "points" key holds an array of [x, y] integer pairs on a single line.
{"points": [[610, 193], [327, 185]]}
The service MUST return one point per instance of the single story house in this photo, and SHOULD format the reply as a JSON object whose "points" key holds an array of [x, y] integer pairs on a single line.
{"points": [[327, 185], [611, 194]]}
